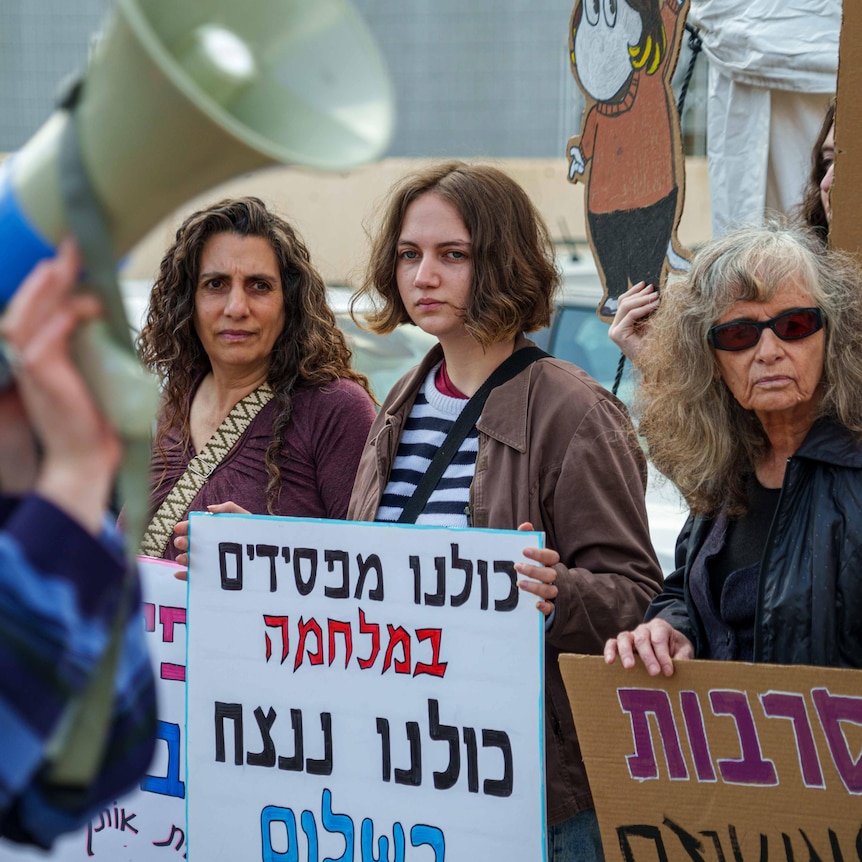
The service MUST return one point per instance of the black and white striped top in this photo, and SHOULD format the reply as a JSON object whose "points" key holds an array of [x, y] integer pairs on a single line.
{"points": [[430, 419]]}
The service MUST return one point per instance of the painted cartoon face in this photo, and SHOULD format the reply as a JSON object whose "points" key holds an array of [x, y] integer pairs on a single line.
{"points": [[602, 40]]}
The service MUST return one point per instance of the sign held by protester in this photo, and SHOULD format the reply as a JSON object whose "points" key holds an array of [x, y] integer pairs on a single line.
{"points": [[723, 760], [355, 687]]}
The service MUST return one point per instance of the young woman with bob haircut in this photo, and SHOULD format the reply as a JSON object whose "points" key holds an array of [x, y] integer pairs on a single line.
{"points": [[462, 253]]}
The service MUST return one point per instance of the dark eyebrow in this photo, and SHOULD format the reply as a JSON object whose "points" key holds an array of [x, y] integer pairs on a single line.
{"points": [[445, 244], [254, 276]]}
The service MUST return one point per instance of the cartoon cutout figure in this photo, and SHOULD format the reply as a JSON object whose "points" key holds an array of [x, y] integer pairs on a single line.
{"points": [[629, 153]]}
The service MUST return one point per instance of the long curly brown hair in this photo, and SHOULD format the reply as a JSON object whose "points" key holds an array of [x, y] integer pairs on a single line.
{"points": [[310, 351]]}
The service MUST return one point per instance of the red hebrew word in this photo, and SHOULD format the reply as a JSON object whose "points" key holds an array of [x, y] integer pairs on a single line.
{"points": [[336, 627], [372, 629], [401, 653], [281, 624], [306, 628]]}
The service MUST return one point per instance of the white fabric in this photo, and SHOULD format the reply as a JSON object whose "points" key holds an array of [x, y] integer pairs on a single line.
{"points": [[772, 69], [783, 44], [759, 144]]}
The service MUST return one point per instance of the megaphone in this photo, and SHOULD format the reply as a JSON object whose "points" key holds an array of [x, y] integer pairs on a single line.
{"points": [[180, 96], [177, 97]]}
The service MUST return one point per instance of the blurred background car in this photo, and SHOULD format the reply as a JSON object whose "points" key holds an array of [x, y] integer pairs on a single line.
{"points": [[576, 334]]}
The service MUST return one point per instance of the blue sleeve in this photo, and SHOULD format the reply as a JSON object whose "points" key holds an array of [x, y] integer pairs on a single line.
{"points": [[60, 590]]}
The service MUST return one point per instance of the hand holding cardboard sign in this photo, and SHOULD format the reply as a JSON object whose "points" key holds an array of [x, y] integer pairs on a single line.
{"points": [[657, 643]]}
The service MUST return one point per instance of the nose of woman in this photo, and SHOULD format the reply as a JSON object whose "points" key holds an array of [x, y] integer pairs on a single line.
{"points": [[236, 302], [426, 273]]}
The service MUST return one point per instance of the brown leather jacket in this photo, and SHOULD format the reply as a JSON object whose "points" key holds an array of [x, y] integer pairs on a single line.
{"points": [[558, 450]]}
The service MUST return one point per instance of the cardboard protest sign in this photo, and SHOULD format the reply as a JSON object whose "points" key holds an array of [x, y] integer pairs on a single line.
{"points": [[359, 687], [629, 151], [149, 823], [722, 760]]}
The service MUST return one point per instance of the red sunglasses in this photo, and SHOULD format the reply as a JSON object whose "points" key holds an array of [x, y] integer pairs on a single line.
{"points": [[788, 326]]}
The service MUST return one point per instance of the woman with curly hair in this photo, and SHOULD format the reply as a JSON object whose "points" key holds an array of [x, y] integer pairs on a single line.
{"points": [[238, 316], [752, 406], [463, 254]]}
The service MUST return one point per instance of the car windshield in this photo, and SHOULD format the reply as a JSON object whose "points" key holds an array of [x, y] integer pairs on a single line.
{"points": [[384, 359], [579, 336]]}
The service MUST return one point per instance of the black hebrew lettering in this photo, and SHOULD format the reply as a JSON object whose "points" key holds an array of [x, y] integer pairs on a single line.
{"points": [[716, 843], [294, 763], [445, 733], [649, 833], [438, 598], [690, 843], [737, 853], [412, 776], [340, 557], [450, 735], [484, 589], [417, 579], [383, 730], [266, 756], [303, 586], [232, 712], [271, 552], [467, 567], [323, 765], [366, 564], [231, 577], [511, 601], [472, 759]]}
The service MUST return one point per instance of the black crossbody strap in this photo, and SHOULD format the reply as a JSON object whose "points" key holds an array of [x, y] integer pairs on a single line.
{"points": [[513, 366]]}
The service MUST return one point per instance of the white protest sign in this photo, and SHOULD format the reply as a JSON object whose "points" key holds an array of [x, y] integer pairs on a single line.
{"points": [[148, 823], [359, 687]]}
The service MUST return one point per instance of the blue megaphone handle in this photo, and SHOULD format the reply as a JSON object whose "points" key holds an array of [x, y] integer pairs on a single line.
{"points": [[21, 245]]}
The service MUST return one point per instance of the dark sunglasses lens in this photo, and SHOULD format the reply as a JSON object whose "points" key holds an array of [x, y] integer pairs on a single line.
{"points": [[736, 336], [797, 324]]}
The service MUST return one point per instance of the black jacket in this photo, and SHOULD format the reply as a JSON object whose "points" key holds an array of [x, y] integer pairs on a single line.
{"points": [[809, 600]]}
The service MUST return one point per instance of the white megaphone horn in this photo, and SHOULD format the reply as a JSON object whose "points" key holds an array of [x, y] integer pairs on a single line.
{"points": [[180, 96]]}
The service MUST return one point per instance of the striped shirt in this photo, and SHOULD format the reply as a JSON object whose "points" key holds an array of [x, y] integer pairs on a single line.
{"points": [[430, 420]]}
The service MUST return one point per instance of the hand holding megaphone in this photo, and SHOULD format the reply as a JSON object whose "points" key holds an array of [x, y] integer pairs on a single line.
{"points": [[79, 450]]}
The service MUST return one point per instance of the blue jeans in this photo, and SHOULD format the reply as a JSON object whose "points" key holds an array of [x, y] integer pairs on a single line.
{"points": [[576, 839]]}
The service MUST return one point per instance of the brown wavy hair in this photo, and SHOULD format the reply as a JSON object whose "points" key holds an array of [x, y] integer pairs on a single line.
{"points": [[810, 210], [310, 351], [514, 261], [696, 432]]}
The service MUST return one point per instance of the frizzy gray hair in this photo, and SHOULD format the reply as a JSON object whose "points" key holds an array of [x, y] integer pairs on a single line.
{"points": [[696, 432]]}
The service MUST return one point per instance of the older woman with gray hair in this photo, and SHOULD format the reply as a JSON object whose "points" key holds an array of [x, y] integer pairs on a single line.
{"points": [[752, 406]]}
